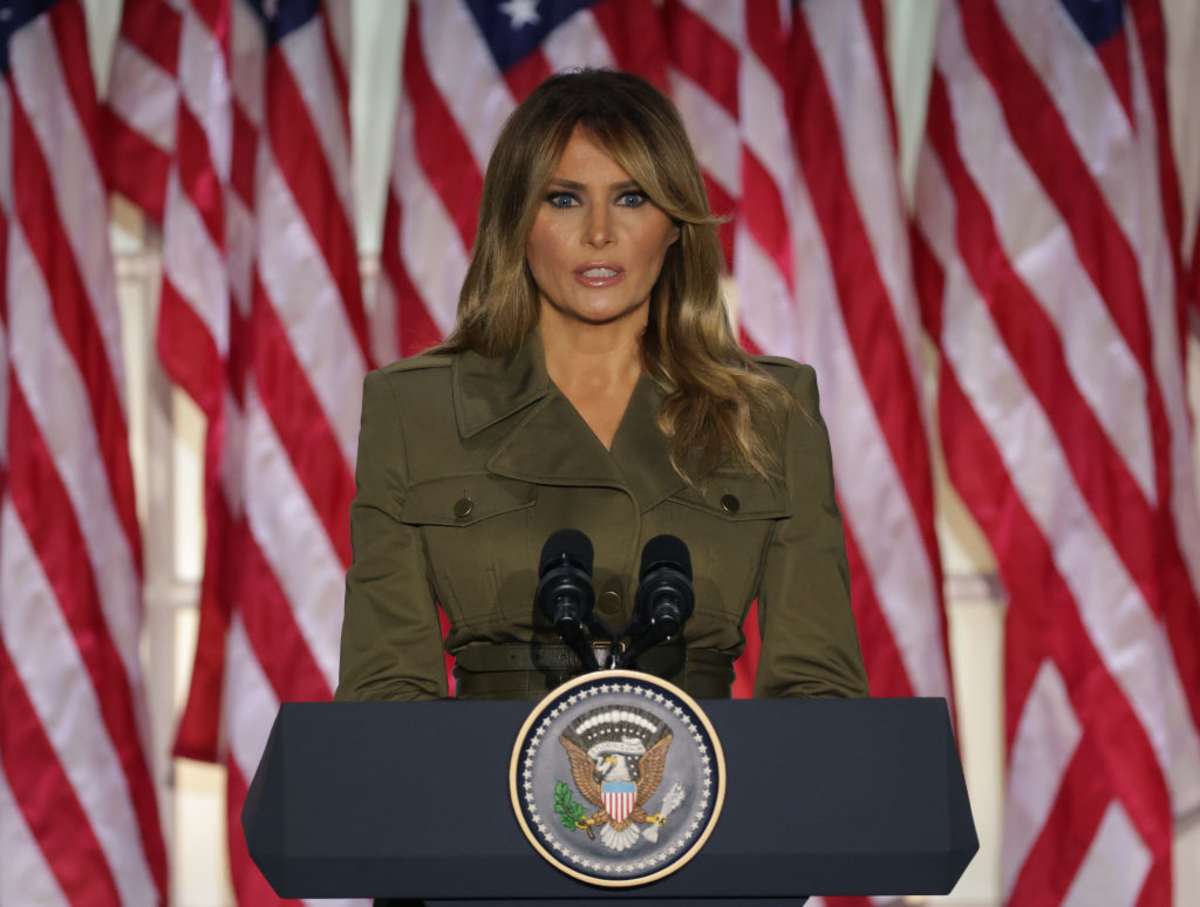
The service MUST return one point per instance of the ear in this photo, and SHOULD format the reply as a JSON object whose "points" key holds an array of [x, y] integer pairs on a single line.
{"points": [[675, 233]]}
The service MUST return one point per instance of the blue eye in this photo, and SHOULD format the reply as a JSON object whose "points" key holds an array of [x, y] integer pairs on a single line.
{"points": [[561, 199], [632, 199]]}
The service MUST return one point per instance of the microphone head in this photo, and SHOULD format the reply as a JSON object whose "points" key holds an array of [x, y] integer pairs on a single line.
{"points": [[564, 593], [571, 543], [666, 551], [665, 598]]}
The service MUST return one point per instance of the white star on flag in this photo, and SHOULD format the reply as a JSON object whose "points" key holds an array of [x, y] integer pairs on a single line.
{"points": [[521, 12]]}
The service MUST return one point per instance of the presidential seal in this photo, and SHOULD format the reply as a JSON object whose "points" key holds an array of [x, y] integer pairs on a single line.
{"points": [[617, 778]]}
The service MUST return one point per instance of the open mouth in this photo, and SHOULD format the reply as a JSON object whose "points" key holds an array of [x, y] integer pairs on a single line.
{"points": [[599, 275]]}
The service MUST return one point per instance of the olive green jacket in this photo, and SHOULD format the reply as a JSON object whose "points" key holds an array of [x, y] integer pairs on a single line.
{"points": [[467, 464]]}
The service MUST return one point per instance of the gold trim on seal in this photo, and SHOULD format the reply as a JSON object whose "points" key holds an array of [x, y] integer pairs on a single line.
{"points": [[603, 677]]}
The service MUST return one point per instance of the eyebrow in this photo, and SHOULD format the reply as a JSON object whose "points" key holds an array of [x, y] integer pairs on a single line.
{"points": [[571, 184]]}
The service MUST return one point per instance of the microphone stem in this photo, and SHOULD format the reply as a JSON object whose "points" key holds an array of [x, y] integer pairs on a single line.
{"points": [[576, 636]]}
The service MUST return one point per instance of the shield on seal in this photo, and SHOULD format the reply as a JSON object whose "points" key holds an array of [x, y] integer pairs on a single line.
{"points": [[619, 798]]}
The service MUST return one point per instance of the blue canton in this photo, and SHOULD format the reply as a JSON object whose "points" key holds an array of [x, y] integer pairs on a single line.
{"points": [[511, 37], [1099, 20], [282, 17], [14, 15]]}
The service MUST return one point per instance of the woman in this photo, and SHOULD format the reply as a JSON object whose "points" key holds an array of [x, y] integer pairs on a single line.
{"points": [[592, 382]]}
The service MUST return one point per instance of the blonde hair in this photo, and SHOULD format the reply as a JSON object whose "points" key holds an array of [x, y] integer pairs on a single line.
{"points": [[716, 400]]}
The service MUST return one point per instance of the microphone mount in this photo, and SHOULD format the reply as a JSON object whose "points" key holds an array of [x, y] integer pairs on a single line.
{"points": [[665, 599]]}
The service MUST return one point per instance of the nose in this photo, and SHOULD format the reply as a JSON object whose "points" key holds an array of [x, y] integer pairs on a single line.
{"points": [[599, 227]]}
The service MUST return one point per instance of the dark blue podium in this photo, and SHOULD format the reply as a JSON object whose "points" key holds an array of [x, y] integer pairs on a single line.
{"points": [[411, 800]]}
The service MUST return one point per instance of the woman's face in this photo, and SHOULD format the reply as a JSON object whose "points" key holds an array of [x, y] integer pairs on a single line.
{"points": [[597, 244]]}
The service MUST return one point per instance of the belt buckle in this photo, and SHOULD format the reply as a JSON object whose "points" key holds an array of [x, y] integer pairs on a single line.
{"points": [[608, 653], [603, 650]]}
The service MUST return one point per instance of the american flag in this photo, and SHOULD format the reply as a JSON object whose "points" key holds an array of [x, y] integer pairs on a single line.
{"points": [[262, 323], [817, 239], [1049, 246], [1049, 232], [79, 821]]}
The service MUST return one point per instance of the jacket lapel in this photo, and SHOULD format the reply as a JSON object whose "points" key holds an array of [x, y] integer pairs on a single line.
{"points": [[641, 451], [488, 390], [549, 443], [552, 445]]}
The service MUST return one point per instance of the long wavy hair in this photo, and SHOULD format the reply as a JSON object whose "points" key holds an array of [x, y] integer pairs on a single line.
{"points": [[717, 404]]}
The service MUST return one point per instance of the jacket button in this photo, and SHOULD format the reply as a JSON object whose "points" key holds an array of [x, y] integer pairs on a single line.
{"points": [[463, 507], [610, 602], [730, 503]]}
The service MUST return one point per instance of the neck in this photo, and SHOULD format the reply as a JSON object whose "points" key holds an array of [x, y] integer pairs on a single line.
{"points": [[592, 358]]}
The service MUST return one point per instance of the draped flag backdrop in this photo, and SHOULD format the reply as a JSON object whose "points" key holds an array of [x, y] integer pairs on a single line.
{"points": [[79, 821], [1044, 260], [1049, 222], [262, 323]]}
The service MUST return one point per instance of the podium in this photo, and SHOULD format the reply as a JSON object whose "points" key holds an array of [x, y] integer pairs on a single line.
{"points": [[380, 799]]}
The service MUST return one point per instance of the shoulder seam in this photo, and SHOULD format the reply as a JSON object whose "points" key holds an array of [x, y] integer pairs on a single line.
{"points": [[422, 361], [782, 362], [775, 360]]}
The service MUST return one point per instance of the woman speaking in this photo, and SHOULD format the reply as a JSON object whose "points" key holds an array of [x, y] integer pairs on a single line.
{"points": [[593, 381]]}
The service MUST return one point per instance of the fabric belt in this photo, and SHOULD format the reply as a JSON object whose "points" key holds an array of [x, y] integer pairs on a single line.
{"points": [[530, 670]]}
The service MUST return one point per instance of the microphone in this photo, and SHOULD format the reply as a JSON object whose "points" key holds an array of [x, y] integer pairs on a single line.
{"points": [[665, 599], [564, 592]]}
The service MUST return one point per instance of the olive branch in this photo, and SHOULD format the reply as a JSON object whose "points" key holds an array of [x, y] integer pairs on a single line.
{"points": [[568, 808]]}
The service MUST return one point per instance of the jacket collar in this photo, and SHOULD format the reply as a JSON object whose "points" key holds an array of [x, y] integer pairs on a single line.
{"points": [[487, 390], [548, 442]]}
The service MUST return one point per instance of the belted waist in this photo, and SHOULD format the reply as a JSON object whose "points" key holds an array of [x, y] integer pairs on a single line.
{"points": [[529, 670]]}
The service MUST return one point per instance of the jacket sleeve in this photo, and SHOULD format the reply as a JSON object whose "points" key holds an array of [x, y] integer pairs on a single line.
{"points": [[391, 640], [810, 644]]}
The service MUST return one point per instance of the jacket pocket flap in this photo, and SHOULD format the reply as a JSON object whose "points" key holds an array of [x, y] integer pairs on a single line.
{"points": [[464, 500], [737, 496]]}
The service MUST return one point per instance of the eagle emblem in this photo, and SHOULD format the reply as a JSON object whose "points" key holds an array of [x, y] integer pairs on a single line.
{"points": [[618, 756]]}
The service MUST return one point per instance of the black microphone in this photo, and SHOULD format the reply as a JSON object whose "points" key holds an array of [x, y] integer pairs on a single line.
{"points": [[565, 594], [665, 599]]}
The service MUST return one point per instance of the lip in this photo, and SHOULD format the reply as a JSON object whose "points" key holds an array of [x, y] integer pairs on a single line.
{"points": [[599, 282]]}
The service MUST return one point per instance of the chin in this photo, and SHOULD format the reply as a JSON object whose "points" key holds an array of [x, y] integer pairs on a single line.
{"points": [[602, 313], [599, 318]]}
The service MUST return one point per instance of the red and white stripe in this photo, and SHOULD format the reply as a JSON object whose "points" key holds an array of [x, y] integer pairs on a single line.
{"points": [[143, 99], [1049, 277], [300, 400], [619, 804], [78, 816]]}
